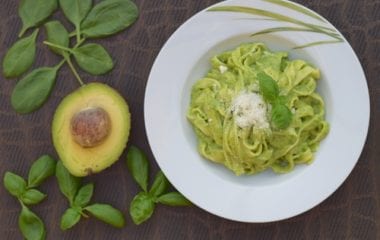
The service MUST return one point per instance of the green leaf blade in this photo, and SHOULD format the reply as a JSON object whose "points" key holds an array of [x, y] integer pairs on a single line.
{"points": [[160, 185], [41, 169], [34, 12], [297, 8], [14, 184], [138, 166], [32, 197], [75, 10], [174, 199], [84, 195], [141, 208], [268, 87], [67, 183], [275, 16], [107, 214], [318, 43], [282, 29], [69, 218], [93, 58], [281, 116], [33, 90], [31, 226], [57, 34], [109, 17], [20, 56]]}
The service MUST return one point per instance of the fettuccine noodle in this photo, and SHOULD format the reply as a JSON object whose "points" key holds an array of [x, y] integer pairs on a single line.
{"points": [[249, 150]]}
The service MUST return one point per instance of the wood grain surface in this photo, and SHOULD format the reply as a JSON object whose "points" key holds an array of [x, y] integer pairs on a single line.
{"points": [[352, 212]]}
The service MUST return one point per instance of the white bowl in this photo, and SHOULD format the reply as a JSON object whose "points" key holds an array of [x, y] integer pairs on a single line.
{"points": [[266, 196]]}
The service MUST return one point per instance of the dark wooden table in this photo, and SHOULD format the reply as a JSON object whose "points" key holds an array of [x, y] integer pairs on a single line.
{"points": [[352, 212]]}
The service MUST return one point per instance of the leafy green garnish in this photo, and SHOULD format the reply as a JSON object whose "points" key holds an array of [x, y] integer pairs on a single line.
{"points": [[138, 166], [106, 18], [41, 169], [79, 199], [93, 58], [109, 17], [57, 34], [107, 214], [268, 87], [30, 224], [34, 12], [20, 56], [33, 90], [32, 196], [281, 115], [144, 203]]}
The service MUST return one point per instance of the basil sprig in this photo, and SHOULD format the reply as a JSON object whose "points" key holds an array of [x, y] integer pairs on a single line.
{"points": [[79, 198], [281, 115], [104, 19], [31, 226], [144, 203]]}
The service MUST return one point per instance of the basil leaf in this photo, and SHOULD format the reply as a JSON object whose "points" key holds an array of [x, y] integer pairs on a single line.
{"points": [[31, 226], [20, 56], [57, 34], [93, 58], [67, 183], [138, 166], [75, 10], [15, 184], [69, 219], [107, 214], [32, 196], [41, 169], [268, 87], [84, 195], [33, 12], [141, 208], [160, 185], [173, 199], [109, 17], [33, 90], [281, 116]]}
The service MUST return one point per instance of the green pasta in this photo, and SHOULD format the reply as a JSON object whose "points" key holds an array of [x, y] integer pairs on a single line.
{"points": [[252, 149]]}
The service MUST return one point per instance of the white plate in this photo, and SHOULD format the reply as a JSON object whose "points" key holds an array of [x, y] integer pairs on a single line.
{"points": [[266, 196]]}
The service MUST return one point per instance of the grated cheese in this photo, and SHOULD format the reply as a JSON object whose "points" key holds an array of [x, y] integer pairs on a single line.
{"points": [[223, 69], [249, 109]]}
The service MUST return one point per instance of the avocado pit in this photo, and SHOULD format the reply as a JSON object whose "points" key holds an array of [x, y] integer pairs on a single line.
{"points": [[90, 126]]}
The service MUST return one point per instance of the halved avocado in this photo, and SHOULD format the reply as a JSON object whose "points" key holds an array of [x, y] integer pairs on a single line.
{"points": [[91, 128]]}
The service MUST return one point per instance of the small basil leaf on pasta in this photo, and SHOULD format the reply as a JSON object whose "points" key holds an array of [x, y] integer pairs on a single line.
{"points": [[268, 87], [281, 116]]}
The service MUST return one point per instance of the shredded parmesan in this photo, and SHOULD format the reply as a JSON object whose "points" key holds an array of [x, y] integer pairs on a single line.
{"points": [[249, 109], [223, 69]]}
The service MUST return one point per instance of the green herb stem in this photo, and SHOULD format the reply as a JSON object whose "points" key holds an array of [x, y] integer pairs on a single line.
{"points": [[58, 46], [74, 70], [83, 214], [60, 64], [79, 43], [72, 34], [77, 28], [23, 30]]}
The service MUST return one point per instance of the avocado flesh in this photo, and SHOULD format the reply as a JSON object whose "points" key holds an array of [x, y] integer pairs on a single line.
{"points": [[82, 161]]}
